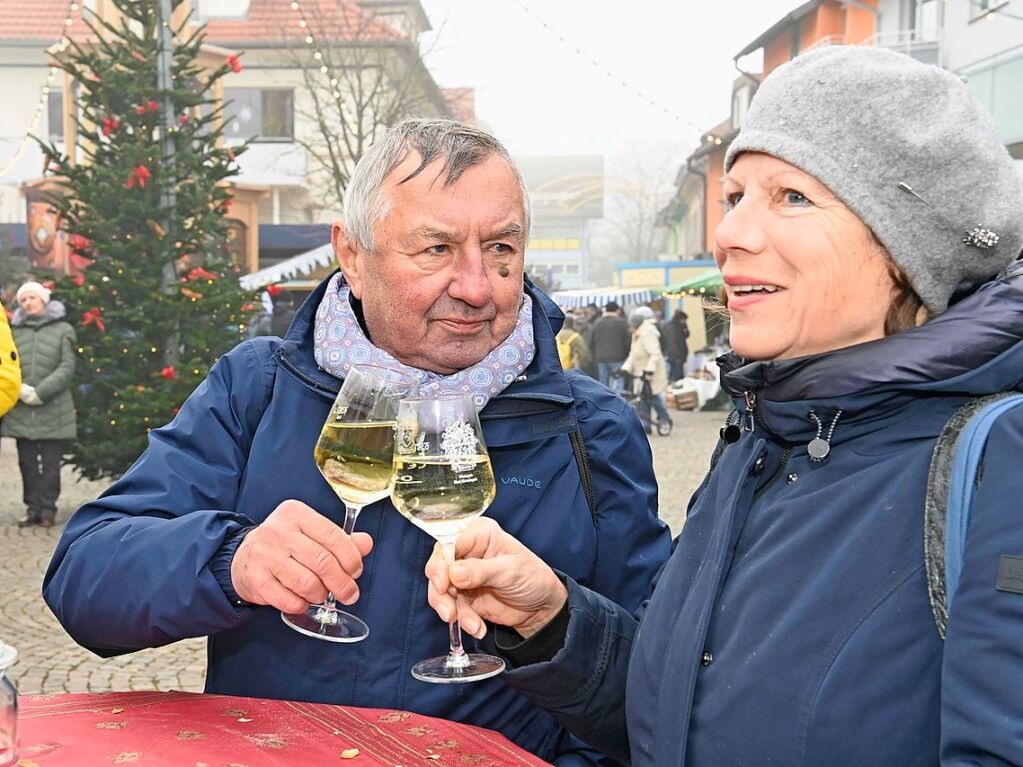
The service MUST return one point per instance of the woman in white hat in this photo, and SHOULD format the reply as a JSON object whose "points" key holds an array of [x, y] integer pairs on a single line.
{"points": [[44, 417]]}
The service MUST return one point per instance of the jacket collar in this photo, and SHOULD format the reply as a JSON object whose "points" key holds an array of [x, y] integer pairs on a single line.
{"points": [[543, 381], [973, 348]]}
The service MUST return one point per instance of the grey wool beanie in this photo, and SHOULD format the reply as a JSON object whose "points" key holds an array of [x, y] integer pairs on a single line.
{"points": [[908, 148]]}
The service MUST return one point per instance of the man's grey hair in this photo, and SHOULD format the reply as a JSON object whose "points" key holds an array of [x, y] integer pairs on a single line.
{"points": [[458, 145]]}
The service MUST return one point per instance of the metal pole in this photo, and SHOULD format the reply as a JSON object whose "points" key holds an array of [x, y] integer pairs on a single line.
{"points": [[165, 55]]}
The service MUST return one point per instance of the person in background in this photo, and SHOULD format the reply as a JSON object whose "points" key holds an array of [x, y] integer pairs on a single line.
{"points": [[283, 313], [572, 349], [10, 367], [611, 338], [676, 345], [224, 521], [44, 417], [646, 363], [869, 260]]}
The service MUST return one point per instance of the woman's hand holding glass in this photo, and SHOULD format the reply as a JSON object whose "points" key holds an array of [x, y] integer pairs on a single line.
{"points": [[497, 579], [442, 480]]}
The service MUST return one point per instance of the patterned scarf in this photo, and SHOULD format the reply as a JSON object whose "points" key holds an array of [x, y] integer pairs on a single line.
{"points": [[339, 342]]}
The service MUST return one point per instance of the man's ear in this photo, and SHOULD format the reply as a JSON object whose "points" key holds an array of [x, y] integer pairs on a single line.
{"points": [[348, 257]]}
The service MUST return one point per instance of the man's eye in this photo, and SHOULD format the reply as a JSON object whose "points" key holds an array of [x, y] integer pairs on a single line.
{"points": [[733, 199], [501, 247], [792, 197], [437, 250]]}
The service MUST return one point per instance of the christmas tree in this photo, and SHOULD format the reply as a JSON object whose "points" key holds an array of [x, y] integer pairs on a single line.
{"points": [[144, 208]]}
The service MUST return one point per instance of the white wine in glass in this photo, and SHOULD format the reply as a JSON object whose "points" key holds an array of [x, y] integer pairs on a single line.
{"points": [[354, 454], [442, 481]]}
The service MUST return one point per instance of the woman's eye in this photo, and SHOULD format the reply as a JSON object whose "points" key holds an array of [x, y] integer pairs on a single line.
{"points": [[733, 199], [792, 197]]}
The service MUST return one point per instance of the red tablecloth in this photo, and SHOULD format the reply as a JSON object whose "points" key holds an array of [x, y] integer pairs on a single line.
{"points": [[180, 729]]}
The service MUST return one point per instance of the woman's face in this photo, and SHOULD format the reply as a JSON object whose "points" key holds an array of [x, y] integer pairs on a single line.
{"points": [[802, 273], [31, 304]]}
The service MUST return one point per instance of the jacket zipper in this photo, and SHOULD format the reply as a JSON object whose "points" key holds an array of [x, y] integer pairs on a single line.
{"points": [[303, 377], [782, 462]]}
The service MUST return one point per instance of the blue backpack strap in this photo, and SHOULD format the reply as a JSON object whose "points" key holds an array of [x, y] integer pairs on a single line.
{"points": [[951, 485]]}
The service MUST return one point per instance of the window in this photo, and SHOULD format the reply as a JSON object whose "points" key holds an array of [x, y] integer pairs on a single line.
{"points": [[55, 115], [268, 114], [923, 19]]}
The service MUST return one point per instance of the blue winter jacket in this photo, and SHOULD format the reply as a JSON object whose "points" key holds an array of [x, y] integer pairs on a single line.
{"points": [[133, 568], [792, 624]]}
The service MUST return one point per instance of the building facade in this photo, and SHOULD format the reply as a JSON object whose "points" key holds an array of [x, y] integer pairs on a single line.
{"points": [[302, 63]]}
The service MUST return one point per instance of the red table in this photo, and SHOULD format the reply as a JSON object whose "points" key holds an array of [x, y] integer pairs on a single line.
{"points": [[181, 729]]}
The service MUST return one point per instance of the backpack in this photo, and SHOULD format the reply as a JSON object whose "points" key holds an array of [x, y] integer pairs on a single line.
{"points": [[567, 351], [957, 466]]}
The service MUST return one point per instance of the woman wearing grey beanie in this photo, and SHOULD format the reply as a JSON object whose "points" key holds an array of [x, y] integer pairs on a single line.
{"points": [[867, 257]]}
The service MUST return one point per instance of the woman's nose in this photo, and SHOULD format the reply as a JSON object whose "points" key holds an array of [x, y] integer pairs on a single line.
{"points": [[742, 229]]}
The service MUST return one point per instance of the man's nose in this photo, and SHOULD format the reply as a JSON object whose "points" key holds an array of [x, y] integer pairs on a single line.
{"points": [[470, 281]]}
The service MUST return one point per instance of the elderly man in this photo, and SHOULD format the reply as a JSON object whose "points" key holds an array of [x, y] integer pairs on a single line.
{"points": [[225, 520]]}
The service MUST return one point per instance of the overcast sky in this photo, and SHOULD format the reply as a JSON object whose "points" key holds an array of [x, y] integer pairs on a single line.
{"points": [[540, 96]]}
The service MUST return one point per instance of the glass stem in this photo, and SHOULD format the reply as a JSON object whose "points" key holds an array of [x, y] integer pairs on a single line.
{"points": [[456, 655], [351, 514]]}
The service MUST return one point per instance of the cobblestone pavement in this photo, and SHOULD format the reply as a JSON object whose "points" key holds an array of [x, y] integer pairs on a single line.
{"points": [[50, 662]]}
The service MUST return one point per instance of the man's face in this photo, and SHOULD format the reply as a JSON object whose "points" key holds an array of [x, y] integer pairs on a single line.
{"points": [[444, 285]]}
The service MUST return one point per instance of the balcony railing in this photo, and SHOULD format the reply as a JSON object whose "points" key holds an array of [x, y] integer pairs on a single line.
{"points": [[922, 44]]}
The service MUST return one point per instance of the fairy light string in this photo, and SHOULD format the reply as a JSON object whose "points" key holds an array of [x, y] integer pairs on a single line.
{"points": [[44, 93]]}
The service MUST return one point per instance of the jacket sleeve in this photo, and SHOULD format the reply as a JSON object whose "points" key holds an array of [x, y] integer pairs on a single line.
{"points": [[982, 671], [583, 685], [60, 377], [650, 342], [632, 541], [132, 569]]}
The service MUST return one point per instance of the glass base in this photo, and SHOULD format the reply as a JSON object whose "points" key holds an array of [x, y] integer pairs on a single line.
{"points": [[469, 668], [327, 623]]}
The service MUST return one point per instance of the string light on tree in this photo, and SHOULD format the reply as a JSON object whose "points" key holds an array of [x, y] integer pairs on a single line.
{"points": [[325, 69]]}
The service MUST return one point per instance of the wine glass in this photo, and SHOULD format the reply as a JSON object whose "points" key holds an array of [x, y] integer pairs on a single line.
{"points": [[354, 454], [442, 481]]}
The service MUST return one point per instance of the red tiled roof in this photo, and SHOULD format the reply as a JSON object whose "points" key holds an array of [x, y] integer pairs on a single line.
{"points": [[268, 21], [42, 20], [275, 21]]}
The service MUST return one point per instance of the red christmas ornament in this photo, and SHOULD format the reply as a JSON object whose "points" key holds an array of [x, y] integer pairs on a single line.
{"points": [[234, 63], [201, 274], [110, 124], [141, 109], [92, 317], [248, 306], [226, 205], [183, 119], [49, 285], [153, 106], [79, 279], [138, 176], [168, 373]]}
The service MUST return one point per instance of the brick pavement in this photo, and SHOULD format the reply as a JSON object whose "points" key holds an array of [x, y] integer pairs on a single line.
{"points": [[50, 662]]}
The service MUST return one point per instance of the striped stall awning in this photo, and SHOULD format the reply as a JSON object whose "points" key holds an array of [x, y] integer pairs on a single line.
{"points": [[571, 299], [303, 265]]}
